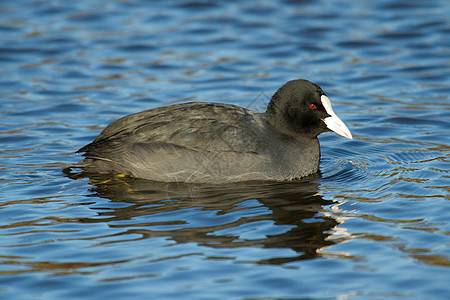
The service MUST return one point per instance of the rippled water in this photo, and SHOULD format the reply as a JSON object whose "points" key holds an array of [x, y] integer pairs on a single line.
{"points": [[374, 225]]}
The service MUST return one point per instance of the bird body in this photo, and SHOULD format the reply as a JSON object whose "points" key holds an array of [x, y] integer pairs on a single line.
{"points": [[216, 143]]}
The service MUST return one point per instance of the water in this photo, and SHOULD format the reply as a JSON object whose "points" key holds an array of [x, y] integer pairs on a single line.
{"points": [[374, 225]]}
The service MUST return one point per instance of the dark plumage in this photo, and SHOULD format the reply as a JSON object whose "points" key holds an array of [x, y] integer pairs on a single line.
{"points": [[209, 142]]}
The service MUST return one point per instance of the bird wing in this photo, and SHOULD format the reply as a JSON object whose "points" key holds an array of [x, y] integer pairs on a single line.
{"points": [[196, 126]]}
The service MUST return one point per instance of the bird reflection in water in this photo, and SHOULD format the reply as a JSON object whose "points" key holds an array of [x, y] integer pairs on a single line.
{"points": [[215, 215]]}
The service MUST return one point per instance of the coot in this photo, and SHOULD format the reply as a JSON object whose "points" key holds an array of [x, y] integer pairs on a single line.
{"points": [[201, 142]]}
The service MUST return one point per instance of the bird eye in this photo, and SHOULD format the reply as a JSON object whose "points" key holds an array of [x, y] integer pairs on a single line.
{"points": [[312, 106]]}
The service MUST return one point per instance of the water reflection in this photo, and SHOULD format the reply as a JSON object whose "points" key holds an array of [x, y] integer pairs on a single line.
{"points": [[268, 215]]}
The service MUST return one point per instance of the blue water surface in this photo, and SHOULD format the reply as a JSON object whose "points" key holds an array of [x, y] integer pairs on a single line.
{"points": [[374, 225]]}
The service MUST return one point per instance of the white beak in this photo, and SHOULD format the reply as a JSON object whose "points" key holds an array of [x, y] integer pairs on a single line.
{"points": [[334, 123]]}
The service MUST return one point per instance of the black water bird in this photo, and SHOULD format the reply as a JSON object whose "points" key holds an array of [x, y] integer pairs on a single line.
{"points": [[218, 143]]}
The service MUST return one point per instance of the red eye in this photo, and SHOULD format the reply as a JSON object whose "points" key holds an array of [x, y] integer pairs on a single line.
{"points": [[312, 106]]}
